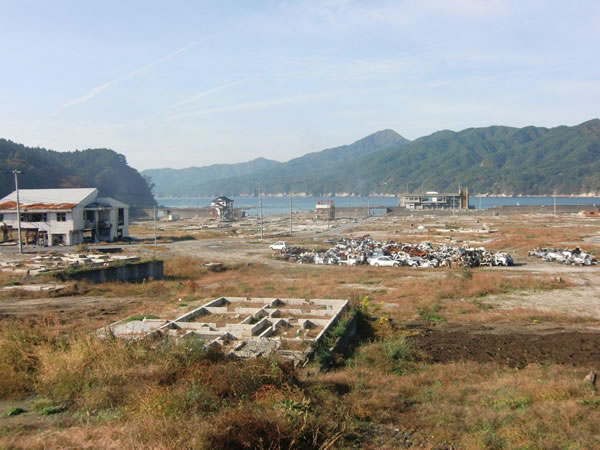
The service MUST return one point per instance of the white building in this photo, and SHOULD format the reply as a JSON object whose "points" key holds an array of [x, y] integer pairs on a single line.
{"points": [[221, 208], [65, 216], [435, 200]]}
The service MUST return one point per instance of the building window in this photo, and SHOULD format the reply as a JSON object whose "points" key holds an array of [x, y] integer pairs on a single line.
{"points": [[1, 217], [34, 217], [61, 217]]}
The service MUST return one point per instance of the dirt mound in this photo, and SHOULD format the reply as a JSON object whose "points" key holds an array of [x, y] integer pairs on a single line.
{"points": [[509, 347]]}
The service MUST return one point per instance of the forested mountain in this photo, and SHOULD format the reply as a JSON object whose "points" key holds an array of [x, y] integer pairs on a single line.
{"points": [[196, 181], [100, 168], [181, 182], [497, 160]]}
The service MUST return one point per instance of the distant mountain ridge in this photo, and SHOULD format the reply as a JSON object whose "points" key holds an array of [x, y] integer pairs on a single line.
{"points": [[104, 169], [193, 181], [180, 182], [495, 160]]}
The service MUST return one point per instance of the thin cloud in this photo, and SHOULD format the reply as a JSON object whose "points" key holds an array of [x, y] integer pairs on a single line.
{"points": [[205, 93], [98, 89], [84, 98], [261, 104]]}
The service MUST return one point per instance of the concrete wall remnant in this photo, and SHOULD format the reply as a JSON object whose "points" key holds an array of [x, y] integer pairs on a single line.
{"points": [[129, 272]]}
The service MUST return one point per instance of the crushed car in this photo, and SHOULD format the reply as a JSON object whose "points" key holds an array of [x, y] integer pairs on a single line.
{"points": [[575, 257], [365, 250]]}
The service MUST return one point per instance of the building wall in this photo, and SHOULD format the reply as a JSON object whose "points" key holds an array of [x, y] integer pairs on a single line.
{"points": [[77, 217]]}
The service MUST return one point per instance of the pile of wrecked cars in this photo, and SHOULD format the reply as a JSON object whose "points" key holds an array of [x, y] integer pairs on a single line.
{"points": [[365, 250], [576, 257]]}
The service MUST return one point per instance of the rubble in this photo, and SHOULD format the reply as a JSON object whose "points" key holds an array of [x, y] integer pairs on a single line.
{"points": [[49, 263], [361, 250], [576, 256]]}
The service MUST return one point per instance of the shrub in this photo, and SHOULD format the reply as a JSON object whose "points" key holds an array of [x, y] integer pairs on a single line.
{"points": [[393, 355], [15, 411]]}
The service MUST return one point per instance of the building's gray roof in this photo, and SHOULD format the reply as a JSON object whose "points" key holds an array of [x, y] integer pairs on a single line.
{"points": [[48, 198]]}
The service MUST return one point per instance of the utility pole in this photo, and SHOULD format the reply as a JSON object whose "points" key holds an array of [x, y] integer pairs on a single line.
{"points": [[155, 240], [554, 203], [261, 216], [368, 207], [291, 195], [348, 209], [16, 173]]}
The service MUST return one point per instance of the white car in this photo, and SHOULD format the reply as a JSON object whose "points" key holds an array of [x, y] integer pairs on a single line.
{"points": [[348, 262], [383, 261], [278, 245]]}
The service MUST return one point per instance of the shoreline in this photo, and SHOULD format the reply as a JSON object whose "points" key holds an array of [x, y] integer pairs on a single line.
{"points": [[590, 195]]}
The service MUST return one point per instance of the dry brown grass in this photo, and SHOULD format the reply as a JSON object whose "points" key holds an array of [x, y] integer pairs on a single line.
{"points": [[521, 239], [171, 396], [474, 405], [139, 395]]}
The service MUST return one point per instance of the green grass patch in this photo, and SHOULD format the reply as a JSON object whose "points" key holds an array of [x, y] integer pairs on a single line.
{"points": [[15, 411], [141, 317], [47, 408], [429, 313]]}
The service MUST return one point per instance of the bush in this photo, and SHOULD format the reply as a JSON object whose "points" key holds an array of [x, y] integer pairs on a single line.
{"points": [[393, 355], [15, 411]]}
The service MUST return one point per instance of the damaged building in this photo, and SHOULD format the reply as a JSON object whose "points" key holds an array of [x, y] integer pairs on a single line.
{"points": [[325, 210], [221, 208], [435, 200], [64, 216]]}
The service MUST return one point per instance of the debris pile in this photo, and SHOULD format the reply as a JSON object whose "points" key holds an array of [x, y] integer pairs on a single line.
{"points": [[576, 257], [53, 262], [362, 250]]}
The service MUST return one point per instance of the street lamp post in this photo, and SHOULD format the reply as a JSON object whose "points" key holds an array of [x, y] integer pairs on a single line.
{"points": [[261, 214], [16, 173]]}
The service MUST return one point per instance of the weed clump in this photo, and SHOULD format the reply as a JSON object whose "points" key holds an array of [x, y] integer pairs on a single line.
{"points": [[14, 411]]}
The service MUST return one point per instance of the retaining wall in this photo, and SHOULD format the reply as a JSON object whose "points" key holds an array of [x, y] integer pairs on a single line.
{"points": [[132, 272]]}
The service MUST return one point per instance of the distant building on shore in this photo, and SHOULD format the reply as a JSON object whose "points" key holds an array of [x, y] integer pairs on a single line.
{"points": [[435, 200], [325, 210], [221, 208]]}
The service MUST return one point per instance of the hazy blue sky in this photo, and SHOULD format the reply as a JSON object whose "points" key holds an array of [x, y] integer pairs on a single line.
{"points": [[175, 84]]}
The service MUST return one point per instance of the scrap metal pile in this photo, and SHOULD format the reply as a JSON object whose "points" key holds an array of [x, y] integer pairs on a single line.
{"points": [[364, 250], [576, 257]]}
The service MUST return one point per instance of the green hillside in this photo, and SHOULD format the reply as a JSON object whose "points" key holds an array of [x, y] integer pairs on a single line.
{"points": [[242, 178], [498, 160], [100, 168]]}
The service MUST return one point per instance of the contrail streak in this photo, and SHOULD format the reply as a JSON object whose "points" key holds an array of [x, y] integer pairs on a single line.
{"points": [[205, 93], [98, 89]]}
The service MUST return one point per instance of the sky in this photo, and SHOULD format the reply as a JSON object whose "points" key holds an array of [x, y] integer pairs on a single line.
{"points": [[179, 84]]}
